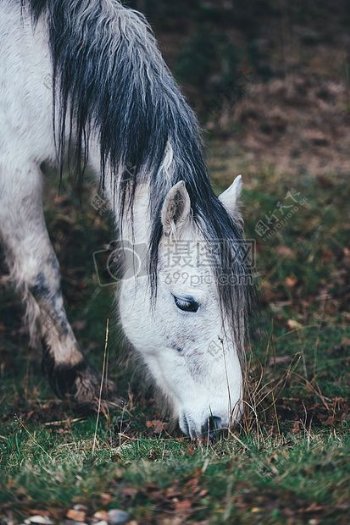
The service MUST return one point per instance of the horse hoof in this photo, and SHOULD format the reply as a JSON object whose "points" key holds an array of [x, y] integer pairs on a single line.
{"points": [[90, 389], [82, 384]]}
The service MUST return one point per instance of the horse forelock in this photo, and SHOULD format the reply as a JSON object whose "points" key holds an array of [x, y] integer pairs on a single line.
{"points": [[110, 79]]}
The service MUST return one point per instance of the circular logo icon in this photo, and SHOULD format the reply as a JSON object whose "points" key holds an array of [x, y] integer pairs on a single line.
{"points": [[123, 263]]}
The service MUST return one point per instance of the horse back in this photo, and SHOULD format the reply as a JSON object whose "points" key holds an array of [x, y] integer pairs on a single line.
{"points": [[26, 131]]}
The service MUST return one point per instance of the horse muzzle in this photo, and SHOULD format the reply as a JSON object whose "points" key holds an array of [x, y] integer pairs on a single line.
{"points": [[212, 428]]}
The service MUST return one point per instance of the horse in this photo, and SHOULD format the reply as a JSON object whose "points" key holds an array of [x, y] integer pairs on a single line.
{"points": [[87, 80]]}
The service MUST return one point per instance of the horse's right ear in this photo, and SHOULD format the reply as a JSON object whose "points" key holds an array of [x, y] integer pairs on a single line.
{"points": [[230, 197], [176, 209]]}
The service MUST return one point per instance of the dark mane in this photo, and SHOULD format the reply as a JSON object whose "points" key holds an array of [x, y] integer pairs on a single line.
{"points": [[110, 79]]}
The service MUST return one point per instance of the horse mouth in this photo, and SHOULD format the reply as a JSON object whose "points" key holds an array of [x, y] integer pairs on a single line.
{"points": [[211, 430]]}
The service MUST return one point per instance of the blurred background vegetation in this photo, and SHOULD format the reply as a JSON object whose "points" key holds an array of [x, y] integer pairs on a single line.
{"points": [[216, 47]]}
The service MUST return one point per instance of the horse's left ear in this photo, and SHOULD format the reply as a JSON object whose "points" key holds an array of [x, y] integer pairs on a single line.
{"points": [[230, 197], [176, 209]]}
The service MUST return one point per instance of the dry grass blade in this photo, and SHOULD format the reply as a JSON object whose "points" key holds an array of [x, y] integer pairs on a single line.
{"points": [[103, 377]]}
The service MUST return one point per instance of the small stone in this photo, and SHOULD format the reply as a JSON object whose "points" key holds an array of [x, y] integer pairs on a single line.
{"points": [[72, 522], [76, 515], [80, 507], [117, 517], [105, 498], [39, 520], [101, 515]]}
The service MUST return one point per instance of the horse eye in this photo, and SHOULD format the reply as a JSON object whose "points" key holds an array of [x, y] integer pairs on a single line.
{"points": [[186, 304]]}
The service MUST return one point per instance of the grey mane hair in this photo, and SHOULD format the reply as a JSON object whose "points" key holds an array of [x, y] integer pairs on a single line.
{"points": [[110, 81]]}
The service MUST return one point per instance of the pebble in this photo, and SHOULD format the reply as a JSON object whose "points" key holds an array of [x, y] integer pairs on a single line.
{"points": [[101, 515], [81, 508], [117, 517], [38, 520], [76, 514], [72, 522]]}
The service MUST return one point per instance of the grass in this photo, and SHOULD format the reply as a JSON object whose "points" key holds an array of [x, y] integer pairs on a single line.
{"points": [[288, 463]]}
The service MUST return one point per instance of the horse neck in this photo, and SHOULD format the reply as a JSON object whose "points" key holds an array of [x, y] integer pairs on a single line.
{"points": [[133, 225]]}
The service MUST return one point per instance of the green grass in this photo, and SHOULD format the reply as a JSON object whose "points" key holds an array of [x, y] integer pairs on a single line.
{"points": [[266, 477], [288, 461]]}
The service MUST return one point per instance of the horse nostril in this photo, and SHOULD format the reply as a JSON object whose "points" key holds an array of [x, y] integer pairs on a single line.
{"points": [[214, 423], [211, 427]]}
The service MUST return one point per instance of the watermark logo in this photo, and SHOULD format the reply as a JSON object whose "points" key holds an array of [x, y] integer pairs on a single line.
{"points": [[203, 254], [187, 262], [119, 260], [100, 203], [268, 226]]}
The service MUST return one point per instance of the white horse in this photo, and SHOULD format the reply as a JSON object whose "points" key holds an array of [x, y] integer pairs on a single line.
{"points": [[87, 78]]}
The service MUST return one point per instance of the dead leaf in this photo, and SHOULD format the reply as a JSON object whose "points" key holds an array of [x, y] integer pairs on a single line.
{"points": [[156, 425], [314, 507], [183, 506], [294, 325], [38, 512], [285, 251], [329, 421], [76, 515], [296, 428], [172, 521], [129, 492], [290, 281], [101, 515], [279, 360], [172, 492]]}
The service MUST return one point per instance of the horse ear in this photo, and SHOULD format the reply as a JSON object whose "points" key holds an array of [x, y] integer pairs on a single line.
{"points": [[176, 208], [230, 198]]}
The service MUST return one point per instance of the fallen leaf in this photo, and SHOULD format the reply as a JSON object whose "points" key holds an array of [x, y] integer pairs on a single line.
{"points": [[183, 506], [172, 492], [314, 507], [101, 515], [76, 515], [172, 521], [156, 425], [279, 360], [296, 427], [285, 251], [294, 325], [106, 498], [290, 281], [129, 492], [36, 512]]}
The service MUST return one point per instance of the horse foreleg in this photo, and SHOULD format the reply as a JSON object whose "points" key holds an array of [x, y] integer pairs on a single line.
{"points": [[34, 269]]}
